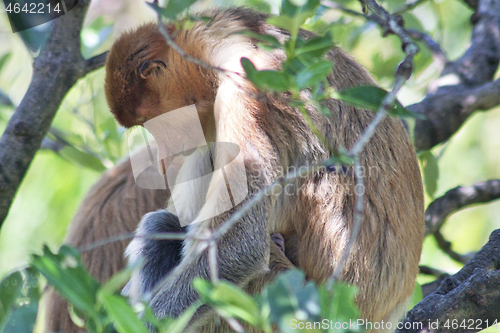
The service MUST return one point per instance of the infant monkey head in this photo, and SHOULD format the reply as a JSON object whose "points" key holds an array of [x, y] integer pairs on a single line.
{"points": [[146, 78]]}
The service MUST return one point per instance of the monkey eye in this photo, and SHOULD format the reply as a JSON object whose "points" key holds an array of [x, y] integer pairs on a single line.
{"points": [[151, 67]]}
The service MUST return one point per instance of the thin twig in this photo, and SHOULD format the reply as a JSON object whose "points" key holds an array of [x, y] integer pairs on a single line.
{"points": [[212, 261], [445, 246], [5, 99], [431, 271], [409, 6], [95, 62], [170, 42], [457, 199], [280, 182], [437, 53], [130, 235], [335, 5]]}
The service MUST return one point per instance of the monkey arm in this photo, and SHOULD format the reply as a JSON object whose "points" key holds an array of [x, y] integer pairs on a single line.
{"points": [[242, 255]]}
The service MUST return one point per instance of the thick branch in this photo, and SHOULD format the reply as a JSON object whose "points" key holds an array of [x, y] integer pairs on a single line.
{"points": [[55, 71], [448, 109], [458, 198], [464, 85], [471, 294]]}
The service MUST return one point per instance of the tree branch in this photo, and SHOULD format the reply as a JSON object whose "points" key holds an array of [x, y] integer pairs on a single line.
{"points": [[464, 85], [472, 3], [430, 287], [448, 109], [472, 294], [455, 199], [55, 71], [445, 246], [96, 62], [5, 99], [437, 53]]}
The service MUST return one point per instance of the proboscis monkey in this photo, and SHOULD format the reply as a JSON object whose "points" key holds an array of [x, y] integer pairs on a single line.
{"points": [[145, 79]]}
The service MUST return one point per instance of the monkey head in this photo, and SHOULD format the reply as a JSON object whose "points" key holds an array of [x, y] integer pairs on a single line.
{"points": [[146, 78]]}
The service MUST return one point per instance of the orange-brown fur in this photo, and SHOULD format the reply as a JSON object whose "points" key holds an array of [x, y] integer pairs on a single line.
{"points": [[316, 221]]}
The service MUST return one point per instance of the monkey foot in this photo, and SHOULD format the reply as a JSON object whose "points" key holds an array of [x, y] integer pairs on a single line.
{"points": [[278, 239]]}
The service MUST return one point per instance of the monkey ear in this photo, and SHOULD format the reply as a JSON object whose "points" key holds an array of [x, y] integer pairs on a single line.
{"points": [[151, 67]]}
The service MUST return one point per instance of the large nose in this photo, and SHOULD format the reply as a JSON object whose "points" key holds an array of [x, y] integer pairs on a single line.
{"points": [[175, 132]]}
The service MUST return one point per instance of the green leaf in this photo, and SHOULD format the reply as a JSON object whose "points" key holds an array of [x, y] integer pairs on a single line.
{"points": [[282, 21], [341, 158], [367, 97], [412, 22], [272, 80], [339, 305], [430, 169], [178, 325], [105, 128], [263, 38], [173, 8], [228, 300], [259, 5], [10, 290], [122, 315], [370, 98], [292, 8], [24, 316], [149, 317], [82, 158], [65, 272], [249, 68], [118, 280], [316, 47], [3, 60], [294, 65], [417, 296], [313, 74], [291, 297], [266, 79]]}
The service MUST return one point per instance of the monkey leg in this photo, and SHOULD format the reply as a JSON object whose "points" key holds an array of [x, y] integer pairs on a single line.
{"points": [[383, 261]]}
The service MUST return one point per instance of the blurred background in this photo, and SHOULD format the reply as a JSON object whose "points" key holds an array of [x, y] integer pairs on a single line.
{"points": [[85, 140]]}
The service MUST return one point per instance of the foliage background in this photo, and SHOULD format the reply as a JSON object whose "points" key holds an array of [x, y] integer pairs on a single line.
{"points": [[57, 182]]}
